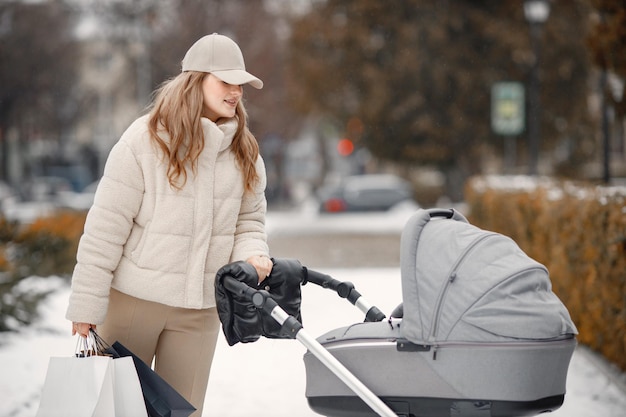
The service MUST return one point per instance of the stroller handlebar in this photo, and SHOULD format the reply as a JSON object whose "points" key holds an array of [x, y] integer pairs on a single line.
{"points": [[291, 273], [345, 289]]}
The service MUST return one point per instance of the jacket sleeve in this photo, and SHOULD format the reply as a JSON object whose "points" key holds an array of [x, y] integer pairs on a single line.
{"points": [[107, 227], [250, 236]]}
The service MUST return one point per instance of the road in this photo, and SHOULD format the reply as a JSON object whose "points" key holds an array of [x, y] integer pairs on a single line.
{"points": [[339, 251], [339, 240]]}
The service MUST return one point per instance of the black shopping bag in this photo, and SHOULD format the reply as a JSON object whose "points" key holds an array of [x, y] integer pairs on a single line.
{"points": [[161, 399]]}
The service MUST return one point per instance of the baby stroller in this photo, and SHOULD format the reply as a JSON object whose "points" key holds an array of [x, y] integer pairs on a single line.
{"points": [[479, 333]]}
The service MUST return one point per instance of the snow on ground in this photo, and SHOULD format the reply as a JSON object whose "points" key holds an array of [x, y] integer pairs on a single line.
{"points": [[268, 377]]}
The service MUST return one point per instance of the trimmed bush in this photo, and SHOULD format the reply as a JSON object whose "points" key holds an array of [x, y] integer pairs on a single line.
{"points": [[45, 248], [578, 231]]}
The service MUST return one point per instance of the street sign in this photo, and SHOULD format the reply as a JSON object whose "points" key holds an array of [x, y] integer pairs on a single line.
{"points": [[507, 108]]}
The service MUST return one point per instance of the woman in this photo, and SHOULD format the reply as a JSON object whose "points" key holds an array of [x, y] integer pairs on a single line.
{"points": [[182, 195]]}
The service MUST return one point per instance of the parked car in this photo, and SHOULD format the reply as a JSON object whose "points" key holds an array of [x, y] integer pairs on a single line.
{"points": [[45, 188], [35, 198], [81, 201], [371, 192], [8, 196], [44, 196]]}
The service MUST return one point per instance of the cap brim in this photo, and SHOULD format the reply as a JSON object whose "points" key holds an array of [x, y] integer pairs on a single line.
{"points": [[238, 77]]}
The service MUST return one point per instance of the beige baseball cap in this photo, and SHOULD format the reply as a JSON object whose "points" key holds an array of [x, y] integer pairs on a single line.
{"points": [[220, 56]]}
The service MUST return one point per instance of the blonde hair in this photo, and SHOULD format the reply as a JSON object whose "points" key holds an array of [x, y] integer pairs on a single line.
{"points": [[177, 110]]}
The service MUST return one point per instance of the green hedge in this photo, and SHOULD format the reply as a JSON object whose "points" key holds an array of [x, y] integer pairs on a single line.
{"points": [[579, 232]]}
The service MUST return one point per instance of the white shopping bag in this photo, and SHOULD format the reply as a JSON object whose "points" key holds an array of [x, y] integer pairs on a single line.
{"points": [[78, 387], [129, 400]]}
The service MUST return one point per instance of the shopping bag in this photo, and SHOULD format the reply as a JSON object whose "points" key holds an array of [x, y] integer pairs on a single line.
{"points": [[78, 387], [160, 398], [126, 386], [128, 396]]}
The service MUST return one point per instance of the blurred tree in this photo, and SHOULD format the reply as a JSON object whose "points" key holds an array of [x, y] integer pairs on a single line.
{"points": [[607, 40], [38, 65], [45, 248], [418, 75]]}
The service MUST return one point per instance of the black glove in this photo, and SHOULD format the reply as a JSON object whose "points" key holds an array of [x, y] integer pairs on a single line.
{"points": [[284, 286], [241, 322]]}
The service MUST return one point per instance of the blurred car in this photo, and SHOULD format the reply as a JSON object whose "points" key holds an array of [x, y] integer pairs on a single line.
{"points": [[81, 201], [35, 198], [45, 188], [8, 197], [44, 196], [372, 192]]}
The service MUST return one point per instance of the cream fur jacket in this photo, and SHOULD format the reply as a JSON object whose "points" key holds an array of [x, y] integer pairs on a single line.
{"points": [[153, 242]]}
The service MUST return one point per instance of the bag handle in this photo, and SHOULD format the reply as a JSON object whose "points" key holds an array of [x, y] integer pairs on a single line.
{"points": [[92, 345], [102, 347]]}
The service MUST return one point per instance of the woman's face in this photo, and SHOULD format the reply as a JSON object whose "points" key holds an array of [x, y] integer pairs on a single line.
{"points": [[220, 98]]}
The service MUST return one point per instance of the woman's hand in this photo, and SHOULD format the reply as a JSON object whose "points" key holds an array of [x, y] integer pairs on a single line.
{"points": [[82, 328], [262, 264]]}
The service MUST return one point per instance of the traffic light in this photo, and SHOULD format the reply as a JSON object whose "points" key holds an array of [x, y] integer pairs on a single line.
{"points": [[345, 147]]}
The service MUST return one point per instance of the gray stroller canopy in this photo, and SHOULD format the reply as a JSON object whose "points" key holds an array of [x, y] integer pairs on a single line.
{"points": [[464, 284]]}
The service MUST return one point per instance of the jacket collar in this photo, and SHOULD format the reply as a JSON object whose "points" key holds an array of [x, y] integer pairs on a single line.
{"points": [[225, 131]]}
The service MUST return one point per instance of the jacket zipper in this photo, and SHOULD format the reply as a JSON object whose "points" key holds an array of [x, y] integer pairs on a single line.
{"points": [[451, 278]]}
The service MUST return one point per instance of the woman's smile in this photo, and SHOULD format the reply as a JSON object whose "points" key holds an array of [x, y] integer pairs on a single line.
{"points": [[220, 98]]}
